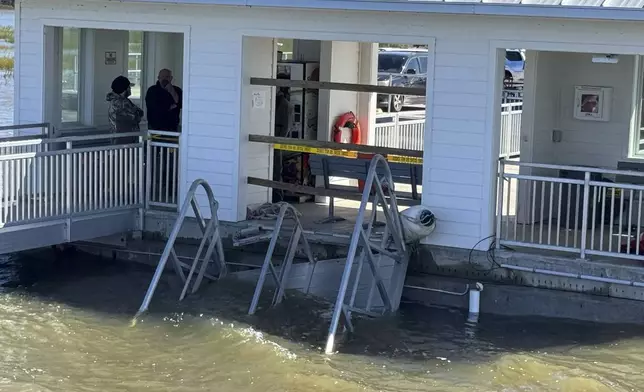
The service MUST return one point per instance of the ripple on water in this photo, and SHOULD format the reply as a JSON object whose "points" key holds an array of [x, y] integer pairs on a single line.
{"points": [[65, 326]]}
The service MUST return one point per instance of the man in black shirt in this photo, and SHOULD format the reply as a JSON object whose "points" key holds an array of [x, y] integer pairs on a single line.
{"points": [[164, 103]]}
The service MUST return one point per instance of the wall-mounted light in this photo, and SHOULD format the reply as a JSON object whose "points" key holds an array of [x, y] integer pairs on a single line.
{"points": [[606, 59]]}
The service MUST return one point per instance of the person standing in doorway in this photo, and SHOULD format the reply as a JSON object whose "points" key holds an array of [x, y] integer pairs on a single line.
{"points": [[164, 103], [123, 114]]}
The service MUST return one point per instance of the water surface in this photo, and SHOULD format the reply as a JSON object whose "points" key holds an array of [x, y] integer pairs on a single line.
{"points": [[65, 326]]}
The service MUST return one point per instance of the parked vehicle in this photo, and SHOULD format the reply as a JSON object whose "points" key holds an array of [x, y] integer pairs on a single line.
{"points": [[401, 68], [514, 65]]}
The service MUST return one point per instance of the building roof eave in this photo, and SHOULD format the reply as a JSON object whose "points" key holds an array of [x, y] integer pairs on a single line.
{"points": [[433, 6]]}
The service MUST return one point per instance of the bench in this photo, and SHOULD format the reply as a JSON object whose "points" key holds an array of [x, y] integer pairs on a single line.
{"points": [[327, 166], [357, 169]]}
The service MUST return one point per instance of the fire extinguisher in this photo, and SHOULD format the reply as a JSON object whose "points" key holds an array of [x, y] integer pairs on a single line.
{"points": [[347, 129]]}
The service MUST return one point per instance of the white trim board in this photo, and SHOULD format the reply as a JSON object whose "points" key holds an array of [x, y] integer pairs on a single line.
{"points": [[480, 7]]}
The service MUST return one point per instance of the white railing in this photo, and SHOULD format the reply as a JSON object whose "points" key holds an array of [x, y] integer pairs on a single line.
{"points": [[512, 95], [61, 180], [406, 130], [25, 138], [399, 130], [511, 129], [162, 169], [571, 209]]}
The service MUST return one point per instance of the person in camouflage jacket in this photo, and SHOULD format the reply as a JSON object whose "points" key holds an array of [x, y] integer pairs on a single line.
{"points": [[123, 114]]}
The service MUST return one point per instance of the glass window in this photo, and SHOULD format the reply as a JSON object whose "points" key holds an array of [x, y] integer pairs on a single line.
{"points": [[414, 64], [637, 133], [513, 55], [639, 149], [389, 62], [135, 62], [70, 100], [423, 64]]}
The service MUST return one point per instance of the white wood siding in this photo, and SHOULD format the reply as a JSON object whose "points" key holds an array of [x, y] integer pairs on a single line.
{"points": [[212, 83], [460, 162]]}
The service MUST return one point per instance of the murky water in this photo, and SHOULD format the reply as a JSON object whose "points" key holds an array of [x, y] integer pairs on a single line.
{"points": [[64, 326]]}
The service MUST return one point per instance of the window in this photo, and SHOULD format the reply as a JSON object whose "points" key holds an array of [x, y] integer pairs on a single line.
{"points": [[135, 63], [388, 62], [513, 55], [638, 148], [637, 130], [423, 64], [70, 98], [413, 64]]}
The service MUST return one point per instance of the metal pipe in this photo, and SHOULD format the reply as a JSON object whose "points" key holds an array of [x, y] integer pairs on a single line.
{"points": [[573, 275], [467, 290]]}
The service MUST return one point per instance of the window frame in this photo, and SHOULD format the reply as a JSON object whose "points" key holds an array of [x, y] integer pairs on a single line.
{"points": [[142, 84], [420, 61], [409, 61], [82, 78], [636, 127]]}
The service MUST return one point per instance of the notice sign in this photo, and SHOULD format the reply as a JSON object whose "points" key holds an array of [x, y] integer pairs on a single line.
{"points": [[110, 58], [259, 100]]}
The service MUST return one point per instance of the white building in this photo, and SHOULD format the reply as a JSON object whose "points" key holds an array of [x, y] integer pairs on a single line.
{"points": [[214, 47]]}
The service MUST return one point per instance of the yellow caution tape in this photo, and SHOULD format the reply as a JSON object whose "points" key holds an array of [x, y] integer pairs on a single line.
{"points": [[314, 150], [401, 159], [344, 153]]}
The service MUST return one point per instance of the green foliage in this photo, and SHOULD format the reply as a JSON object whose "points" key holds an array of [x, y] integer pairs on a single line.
{"points": [[6, 34], [6, 66]]}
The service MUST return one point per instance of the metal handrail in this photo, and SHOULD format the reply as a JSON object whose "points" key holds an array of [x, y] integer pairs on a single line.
{"points": [[210, 234], [29, 140], [361, 238], [282, 277]]}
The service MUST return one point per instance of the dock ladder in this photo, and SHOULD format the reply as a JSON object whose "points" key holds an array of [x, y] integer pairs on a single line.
{"points": [[211, 239], [371, 250]]}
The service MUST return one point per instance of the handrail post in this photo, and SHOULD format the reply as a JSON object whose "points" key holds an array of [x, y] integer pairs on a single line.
{"points": [[148, 171], [584, 215], [499, 210], [68, 189], [141, 186]]}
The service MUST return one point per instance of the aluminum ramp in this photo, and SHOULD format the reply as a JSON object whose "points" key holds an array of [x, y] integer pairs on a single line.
{"points": [[52, 192]]}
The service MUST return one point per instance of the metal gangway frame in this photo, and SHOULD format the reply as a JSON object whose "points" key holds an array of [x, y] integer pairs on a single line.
{"points": [[211, 238], [280, 278], [391, 244]]}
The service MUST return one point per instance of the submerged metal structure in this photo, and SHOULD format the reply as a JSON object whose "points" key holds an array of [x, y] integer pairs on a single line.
{"points": [[211, 238], [371, 250]]}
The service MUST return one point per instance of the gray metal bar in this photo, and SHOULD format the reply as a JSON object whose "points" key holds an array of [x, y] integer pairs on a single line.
{"points": [[361, 239], [169, 248], [297, 237], [195, 261], [286, 265]]}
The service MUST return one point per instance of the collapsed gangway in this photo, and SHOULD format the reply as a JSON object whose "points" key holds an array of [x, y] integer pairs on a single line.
{"points": [[368, 282]]}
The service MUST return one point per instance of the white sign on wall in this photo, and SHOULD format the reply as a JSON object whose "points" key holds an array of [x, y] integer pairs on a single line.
{"points": [[259, 99]]}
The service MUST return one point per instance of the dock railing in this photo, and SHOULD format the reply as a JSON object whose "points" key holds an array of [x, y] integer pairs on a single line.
{"points": [[406, 130], [399, 130], [580, 210], [25, 138], [511, 113], [60, 180], [162, 170]]}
